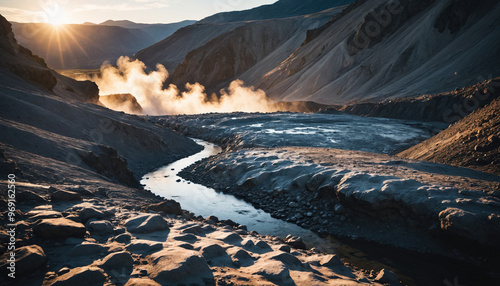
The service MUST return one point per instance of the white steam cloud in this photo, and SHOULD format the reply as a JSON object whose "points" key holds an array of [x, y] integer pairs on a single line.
{"points": [[130, 77]]}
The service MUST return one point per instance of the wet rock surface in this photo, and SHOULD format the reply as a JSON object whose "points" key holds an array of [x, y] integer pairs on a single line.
{"points": [[360, 195]]}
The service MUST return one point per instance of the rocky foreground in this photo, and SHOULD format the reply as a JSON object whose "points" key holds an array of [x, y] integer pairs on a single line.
{"points": [[80, 236]]}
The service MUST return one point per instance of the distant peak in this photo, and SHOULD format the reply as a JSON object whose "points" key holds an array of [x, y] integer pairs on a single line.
{"points": [[117, 22]]}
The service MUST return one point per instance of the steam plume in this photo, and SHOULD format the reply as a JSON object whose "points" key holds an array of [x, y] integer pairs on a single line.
{"points": [[130, 77]]}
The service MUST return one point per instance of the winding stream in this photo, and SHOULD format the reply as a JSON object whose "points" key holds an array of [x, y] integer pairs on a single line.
{"points": [[204, 201]]}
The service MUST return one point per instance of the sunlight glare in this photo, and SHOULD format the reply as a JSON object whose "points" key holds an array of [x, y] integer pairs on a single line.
{"points": [[58, 19]]}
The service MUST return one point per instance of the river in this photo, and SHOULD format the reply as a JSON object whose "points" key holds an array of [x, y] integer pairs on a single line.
{"points": [[413, 268]]}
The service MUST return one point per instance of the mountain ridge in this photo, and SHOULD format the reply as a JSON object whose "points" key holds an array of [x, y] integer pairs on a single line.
{"points": [[76, 46], [413, 48], [279, 9]]}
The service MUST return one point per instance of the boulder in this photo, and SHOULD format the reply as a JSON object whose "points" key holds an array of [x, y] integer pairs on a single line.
{"points": [[386, 276], [230, 238], [239, 253], [288, 259], [56, 228], [212, 251], [331, 261], [146, 223], [247, 243], [271, 270], [285, 248], [464, 224], [142, 246], [82, 276], [117, 261], [240, 257], [65, 196], [195, 229], [180, 266], [295, 242], [229, 222], [100, 227], [212, 218], [28, 259], [123, 238], [167, 206], [87, 248], [315, 182], [263, 245], [87, 213]]}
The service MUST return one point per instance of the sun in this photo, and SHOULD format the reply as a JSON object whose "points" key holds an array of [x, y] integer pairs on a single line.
{"points": [[58, 19]]}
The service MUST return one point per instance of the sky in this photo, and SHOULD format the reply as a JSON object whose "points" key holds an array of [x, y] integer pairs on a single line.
{"points": [[139, 11]]}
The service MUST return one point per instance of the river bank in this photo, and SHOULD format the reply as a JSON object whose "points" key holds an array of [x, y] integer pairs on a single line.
{"points": [[364, 197]]}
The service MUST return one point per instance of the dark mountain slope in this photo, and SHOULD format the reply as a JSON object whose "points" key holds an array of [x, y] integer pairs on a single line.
{"points": [[171, 51], [174, 50], [414, 48], [233, 53], [280, 9], [446, 107], [473, 142]]}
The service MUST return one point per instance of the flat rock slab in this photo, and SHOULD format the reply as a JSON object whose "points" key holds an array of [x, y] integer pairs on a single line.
{"points": [[56, 228], [43, 215]]}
